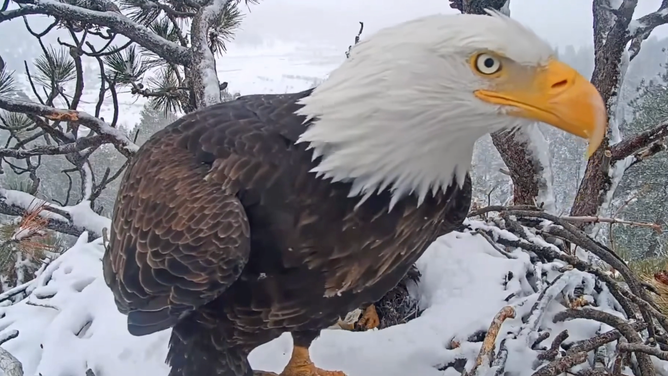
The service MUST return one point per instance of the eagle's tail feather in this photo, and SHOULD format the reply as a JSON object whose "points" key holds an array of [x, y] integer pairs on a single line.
{"points": [[141, 323], [197, 347]]}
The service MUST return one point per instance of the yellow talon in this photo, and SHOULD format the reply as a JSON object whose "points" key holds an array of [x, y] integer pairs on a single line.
{"points": [[300, 364], [369, 319]]}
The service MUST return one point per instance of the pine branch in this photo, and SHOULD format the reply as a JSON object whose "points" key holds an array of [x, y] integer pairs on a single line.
{"points": [[59, 219]]}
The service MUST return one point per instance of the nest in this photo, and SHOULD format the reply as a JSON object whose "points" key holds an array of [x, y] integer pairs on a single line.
{"points": [[398, 306], [600, 288]]}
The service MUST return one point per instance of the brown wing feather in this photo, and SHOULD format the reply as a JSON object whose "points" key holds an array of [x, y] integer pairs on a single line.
{"points": [[177, 240]]}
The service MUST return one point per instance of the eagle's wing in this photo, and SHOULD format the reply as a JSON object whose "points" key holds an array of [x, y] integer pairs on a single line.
{"points": [[180, 235], [177, 239]]}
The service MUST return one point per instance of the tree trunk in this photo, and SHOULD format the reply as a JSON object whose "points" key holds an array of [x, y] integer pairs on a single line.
{"points": [[610, 39], [203, 76]]}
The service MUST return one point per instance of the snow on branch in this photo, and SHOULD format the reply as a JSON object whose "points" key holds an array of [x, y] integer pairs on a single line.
{"points": [[109, 17], [641, 28], [123, 144], [19, 12], [205, 83], [71, 220], [642, 145]]}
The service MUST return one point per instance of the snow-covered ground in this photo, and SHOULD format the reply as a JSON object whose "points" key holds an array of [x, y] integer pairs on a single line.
{"points": [[278, 67], [69, 322]]}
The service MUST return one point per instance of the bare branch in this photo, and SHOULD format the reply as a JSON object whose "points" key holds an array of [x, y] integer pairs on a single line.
{"points": [[654, 226], [486, 355], [633, 144], [74, 147], [19, 12], [114, 136], [644, 362], [645, 349], [117, 22], [641, 28], [562, 365]]}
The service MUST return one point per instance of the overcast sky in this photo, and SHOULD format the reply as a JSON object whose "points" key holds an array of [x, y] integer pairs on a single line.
{"points": [[334, 22], [562, 22]]}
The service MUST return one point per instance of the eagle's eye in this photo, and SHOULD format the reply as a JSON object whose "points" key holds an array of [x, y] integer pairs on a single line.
{"points": [[486, 64]]}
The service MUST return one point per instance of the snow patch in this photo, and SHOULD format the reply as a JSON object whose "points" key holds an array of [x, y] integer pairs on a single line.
{"points": [[539, 148]]}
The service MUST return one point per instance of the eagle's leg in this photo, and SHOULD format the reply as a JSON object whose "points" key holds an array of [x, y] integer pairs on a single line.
{"points": [[300, 363], [369, 319]]}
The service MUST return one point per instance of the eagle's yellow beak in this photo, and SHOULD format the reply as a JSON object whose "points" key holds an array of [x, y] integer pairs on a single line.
{"points": [[558, 95]]}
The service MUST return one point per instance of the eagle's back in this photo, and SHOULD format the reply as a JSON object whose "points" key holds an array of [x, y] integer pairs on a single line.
{"points": [[219, 213]]}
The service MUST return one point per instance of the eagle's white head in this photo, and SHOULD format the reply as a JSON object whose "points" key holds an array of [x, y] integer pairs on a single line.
{"points": [[405, 109]]}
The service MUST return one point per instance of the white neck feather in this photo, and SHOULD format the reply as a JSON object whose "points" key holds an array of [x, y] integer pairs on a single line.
{"points": [[402, 150]]}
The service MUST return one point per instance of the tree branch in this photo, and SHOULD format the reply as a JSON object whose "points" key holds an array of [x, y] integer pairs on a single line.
{"points": [[654, 226], [610, 40], [633, 144], [19, 12], [170, 51], [640, 29], [626, 329], [645, 349], [112, 135], [60, 219], [78, 145]]}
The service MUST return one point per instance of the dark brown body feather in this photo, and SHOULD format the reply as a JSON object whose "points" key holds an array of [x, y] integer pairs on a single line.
{"points": [[220, 231]]}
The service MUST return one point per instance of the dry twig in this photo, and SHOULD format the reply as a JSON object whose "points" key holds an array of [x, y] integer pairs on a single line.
{"points": [[486, 355]]}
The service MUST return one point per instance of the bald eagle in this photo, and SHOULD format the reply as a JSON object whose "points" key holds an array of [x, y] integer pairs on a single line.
{"points": [[281, 213]]}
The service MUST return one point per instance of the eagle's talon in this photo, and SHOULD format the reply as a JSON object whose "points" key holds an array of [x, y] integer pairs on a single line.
{"points": [[322, 372], [369, 319], [300, 364]]}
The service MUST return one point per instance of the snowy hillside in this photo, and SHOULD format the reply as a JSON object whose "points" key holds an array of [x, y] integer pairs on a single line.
{"points": [[69, 324], [271, 68]]}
